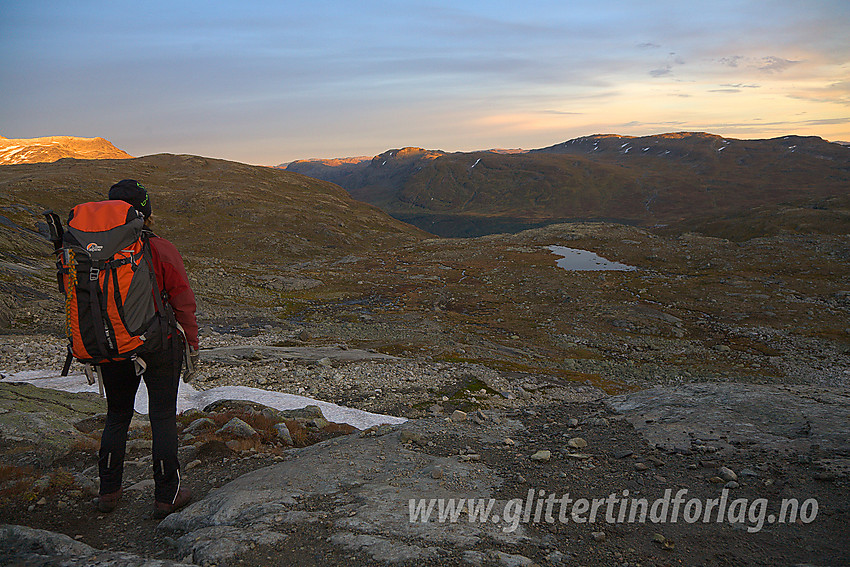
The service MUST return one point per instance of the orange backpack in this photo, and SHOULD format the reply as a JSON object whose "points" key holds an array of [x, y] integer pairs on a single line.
{"points": [[113, 306]]}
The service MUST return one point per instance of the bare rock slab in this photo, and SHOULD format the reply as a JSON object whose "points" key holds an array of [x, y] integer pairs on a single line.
{"points": [[359, 485], [37, 424], [21, 545], [787, 418]]}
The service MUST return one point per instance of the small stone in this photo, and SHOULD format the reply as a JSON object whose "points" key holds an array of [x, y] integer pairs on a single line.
{"points": [[437, 473], [715, 480], [479, 417], [577, 443], [510, 442], [193, 464], [509, 559], [541, 456], [731, 484], [641, 466], [722, 348], [283, 433], [237, 428], [727, 474], [749, 473], [655, 461], [623, 453], [139, 444], [407, 436], [573, 422], [658, 538], [141, 486], [42, 484], [324, 362], [598, 536], [458, 416]]}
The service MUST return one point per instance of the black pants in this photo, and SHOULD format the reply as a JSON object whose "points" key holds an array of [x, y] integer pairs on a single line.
{"points": [[162, 378]]}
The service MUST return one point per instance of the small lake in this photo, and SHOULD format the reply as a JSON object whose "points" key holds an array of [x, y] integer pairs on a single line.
{"points": [[583, 260]]}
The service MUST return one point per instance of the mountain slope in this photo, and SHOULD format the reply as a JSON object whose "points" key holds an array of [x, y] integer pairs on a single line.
{"points": [[648, 180], [211, 207], [52, 148]]}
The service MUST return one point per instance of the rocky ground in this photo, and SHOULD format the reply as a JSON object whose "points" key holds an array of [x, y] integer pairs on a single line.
{"points": [[715, 366]]}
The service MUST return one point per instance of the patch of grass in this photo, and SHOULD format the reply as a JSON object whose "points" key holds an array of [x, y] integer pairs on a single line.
{"points": [[399, 349], [472, 386], [61, 480], [11, 472], [741, 343], [16, 483], [829, 333], [608, 386]]}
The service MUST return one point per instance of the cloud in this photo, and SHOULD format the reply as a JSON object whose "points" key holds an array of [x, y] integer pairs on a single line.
{"points": [[731, 61], [662, 72], [834, 93], [648, 45], [638, 124], [773, 64], [559, 112], [827, 121], [766, 64]]}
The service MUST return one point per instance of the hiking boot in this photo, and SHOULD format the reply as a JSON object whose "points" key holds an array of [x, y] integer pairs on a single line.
{"points": [[107, 502], [162, 509]]}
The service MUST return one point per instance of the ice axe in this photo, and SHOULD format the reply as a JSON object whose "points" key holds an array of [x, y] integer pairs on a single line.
{"points": [[54, 225]]}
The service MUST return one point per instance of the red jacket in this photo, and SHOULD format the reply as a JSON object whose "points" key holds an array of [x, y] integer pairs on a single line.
{"points": [[171, 277]]}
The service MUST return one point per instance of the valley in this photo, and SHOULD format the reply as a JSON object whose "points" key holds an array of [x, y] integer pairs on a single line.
{"points": [[646, 181], [748, 303]]}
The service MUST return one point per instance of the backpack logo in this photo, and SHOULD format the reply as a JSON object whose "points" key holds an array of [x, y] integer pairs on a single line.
{"points": [[94, 247]]}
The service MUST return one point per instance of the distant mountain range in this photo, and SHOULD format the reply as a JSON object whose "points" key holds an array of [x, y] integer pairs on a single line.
{"points": [[689, 181], [40, 150], [662, 179]]}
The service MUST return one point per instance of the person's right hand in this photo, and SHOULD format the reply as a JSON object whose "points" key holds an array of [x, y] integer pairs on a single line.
{"points": [[194, 363]]}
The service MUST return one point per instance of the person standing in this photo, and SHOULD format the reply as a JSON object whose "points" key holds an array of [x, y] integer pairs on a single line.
{"points": [[161, 374]]}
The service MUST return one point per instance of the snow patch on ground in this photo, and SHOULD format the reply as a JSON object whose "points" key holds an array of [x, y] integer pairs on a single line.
{"points": [[188, 397]]}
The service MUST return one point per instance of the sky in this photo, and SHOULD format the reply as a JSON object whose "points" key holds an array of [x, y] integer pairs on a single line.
{"points": [[267, 82]]}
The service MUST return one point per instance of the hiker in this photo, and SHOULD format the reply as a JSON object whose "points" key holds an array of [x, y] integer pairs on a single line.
{"points": [[161, 374]]}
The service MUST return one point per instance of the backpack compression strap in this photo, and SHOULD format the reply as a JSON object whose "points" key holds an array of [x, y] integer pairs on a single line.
{"points": [[97, 310]]}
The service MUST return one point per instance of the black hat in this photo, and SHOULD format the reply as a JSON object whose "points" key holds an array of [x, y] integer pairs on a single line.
{"points": [[134, 193]]}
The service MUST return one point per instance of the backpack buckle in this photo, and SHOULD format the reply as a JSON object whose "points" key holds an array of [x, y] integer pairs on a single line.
{"points": [[94, 273]]}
